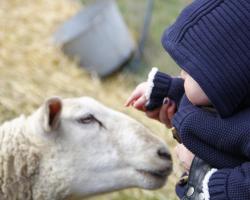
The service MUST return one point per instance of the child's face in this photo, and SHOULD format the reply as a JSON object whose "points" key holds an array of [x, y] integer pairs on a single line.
{"points": [[193, 91]]}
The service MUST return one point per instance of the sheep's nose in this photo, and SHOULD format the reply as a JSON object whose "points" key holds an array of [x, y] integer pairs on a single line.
{"points": [[164, 154]]}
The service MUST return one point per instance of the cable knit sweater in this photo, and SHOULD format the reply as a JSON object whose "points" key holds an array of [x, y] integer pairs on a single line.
{"points": [[223, 143]]}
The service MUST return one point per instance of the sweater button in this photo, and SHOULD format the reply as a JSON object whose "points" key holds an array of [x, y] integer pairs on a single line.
{"points": [[201, 196], [190, 191]]}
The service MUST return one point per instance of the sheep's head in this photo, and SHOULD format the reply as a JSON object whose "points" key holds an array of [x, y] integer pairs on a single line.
{"points": [[93, 149]]}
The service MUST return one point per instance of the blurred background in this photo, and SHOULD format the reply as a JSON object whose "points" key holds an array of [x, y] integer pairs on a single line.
{"points": [[33, 68]]}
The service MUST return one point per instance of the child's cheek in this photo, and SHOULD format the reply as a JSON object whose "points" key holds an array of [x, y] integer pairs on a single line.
{"points": [[194, 93]]}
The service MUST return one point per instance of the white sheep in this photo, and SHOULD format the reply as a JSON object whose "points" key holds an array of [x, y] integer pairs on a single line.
{"points": [[77, 148]]}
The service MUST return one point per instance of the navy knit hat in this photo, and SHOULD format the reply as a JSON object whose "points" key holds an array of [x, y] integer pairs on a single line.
{"points": [[211, 41]]}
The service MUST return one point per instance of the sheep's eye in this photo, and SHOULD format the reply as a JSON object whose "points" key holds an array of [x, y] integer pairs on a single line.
{"points": [[87, 119]]}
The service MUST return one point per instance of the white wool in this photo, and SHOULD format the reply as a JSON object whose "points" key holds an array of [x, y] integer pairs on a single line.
{"points": [[51, 155], [19, 161]]}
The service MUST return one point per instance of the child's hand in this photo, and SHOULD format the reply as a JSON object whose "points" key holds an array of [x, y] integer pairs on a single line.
{"points": [[165, 113], [137, 98], [185, 156]]}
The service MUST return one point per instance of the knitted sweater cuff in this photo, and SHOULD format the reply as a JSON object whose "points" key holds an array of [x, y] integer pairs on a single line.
{"points": [[217, 185], [150, 81], [158, 87], [162, 84], [182, 115], [176, 90], [205, 189]]}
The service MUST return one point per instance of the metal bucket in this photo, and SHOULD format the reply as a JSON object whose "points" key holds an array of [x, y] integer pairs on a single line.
{"points": [[98, 37]]}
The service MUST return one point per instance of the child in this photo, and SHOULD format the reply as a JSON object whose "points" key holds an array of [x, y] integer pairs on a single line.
{"points": [[210, 41]]}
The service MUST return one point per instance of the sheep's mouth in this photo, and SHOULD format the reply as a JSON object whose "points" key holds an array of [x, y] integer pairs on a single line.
{"points": [[159, 174]]}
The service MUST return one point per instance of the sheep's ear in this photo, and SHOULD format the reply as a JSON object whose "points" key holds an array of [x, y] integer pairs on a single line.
{"points": [[52, 112]]}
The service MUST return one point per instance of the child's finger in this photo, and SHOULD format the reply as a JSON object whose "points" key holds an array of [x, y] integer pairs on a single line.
{"points": [[154, 114], [171, 110], [133, 97], [137, 93], [169, 113], [163, 115], [140, 103]]}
